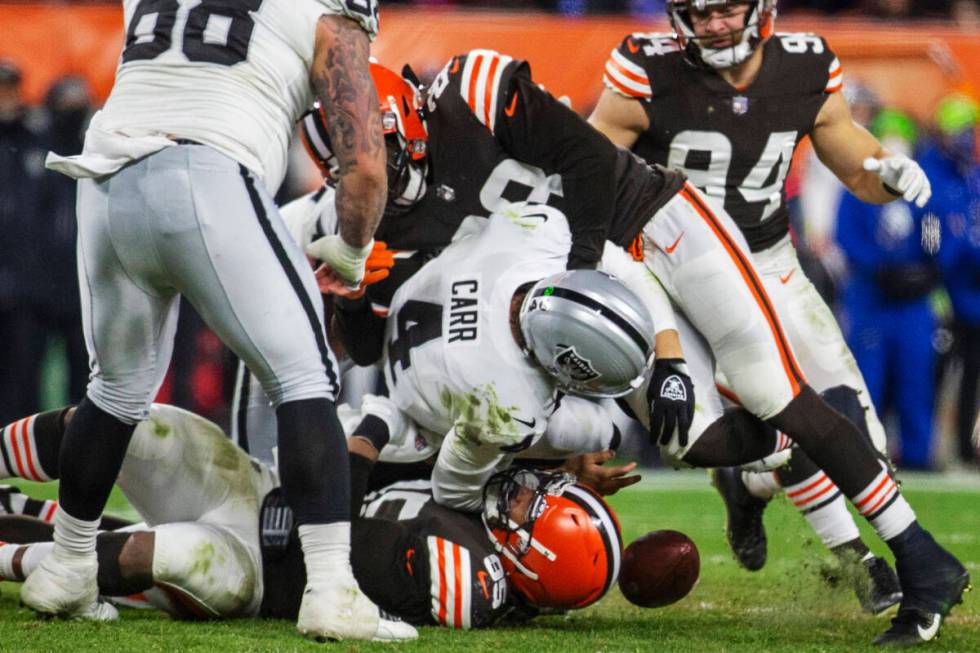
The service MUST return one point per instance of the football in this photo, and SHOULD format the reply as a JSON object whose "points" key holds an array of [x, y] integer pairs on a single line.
{"points": [[659, 568]]}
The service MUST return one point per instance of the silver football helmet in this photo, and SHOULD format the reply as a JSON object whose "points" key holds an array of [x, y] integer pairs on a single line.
{"points": [[759, 25], [589, 331]]}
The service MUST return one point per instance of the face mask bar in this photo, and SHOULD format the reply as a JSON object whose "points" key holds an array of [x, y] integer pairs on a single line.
{"points": [[513, 539]]}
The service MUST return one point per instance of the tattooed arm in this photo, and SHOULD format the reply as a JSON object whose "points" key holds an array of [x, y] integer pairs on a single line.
{"points": [[342, 82]]}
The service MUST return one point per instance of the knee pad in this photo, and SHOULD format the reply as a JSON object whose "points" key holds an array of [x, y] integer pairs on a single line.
{"points": [[205, 571]]}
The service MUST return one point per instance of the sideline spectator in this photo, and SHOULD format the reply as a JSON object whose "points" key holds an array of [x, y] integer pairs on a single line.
{"points": [[951, 163], [55, 302], [21, 171], [888, 318]]}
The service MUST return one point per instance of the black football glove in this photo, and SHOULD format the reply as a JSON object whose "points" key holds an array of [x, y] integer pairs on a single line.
{"points": [[671, 397]]}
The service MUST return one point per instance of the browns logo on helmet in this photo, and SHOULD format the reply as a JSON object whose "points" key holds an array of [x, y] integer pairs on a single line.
{"points": [[406, 138]]}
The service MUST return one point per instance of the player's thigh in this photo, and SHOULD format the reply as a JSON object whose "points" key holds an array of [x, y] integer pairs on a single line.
{"points": [[205, 571], [251, 282], [808, 322], [182, 467], [129, 313], [706, 270]]}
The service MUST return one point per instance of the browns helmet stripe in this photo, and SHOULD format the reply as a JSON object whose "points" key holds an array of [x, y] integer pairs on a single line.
{"points": [[600, 513]]}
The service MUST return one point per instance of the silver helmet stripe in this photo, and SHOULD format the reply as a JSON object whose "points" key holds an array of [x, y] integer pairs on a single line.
{"points": [[638, 339]]}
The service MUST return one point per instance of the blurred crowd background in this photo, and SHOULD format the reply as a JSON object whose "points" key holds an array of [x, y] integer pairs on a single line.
{"points": [[904, 281]]}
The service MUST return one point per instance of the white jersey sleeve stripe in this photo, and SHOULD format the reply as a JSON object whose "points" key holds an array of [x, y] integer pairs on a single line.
{"points": [[480, 84], [835, 77], [628, 66], [437, 577], [625, 77], [463, 588], [449, 566]]}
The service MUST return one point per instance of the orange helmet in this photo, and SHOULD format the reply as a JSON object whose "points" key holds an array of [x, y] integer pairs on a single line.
{"points": [[560, 542], [406, 138]]}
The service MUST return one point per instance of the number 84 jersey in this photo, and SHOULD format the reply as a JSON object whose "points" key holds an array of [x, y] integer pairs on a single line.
{"points": [[734, 144], [231, 74]]}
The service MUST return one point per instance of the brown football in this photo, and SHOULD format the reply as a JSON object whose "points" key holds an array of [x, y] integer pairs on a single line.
{"points": [[659, 568]]}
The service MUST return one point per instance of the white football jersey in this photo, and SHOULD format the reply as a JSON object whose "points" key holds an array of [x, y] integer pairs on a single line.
{"points": [[451, 361], [231, 74]]}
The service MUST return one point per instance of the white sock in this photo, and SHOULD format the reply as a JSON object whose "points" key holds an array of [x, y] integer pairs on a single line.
{"points": [[762, 485], [326, 551], [33, 555], [884, 506], [74, 538]]}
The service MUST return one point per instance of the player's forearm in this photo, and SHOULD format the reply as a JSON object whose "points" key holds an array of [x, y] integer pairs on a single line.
{"points": [[461, 470], [342, 82]]}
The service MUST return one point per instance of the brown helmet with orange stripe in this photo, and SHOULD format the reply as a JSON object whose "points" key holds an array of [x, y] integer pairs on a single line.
{"points": [[559, 541], [759, 25], [406, 139]]}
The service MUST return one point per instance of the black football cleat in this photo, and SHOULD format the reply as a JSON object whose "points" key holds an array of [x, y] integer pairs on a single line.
{"points": [[877, 589], [744, 528], [932, 584]]}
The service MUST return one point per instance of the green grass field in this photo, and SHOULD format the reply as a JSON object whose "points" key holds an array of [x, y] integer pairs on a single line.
{"points": [[785, 607]]}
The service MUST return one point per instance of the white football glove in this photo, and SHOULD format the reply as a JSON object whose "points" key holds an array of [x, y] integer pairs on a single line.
{"points": [[346, 261], [902, 175]]}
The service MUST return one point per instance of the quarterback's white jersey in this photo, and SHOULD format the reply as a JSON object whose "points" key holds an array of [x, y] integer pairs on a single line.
{"points": [[451, 359], [231, 74]]}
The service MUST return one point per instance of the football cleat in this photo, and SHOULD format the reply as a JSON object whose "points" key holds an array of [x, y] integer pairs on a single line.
{"points": [[911, 627], [66, 588], [878, 589], [391, 629], [342, 611], [744, 528], [931, 588]]}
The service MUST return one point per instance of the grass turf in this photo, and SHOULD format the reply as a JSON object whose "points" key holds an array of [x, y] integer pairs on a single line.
{"points": [[786, 606]]}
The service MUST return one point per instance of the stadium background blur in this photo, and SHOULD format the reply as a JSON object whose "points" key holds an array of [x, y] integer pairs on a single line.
{"points": [[902, 59]]}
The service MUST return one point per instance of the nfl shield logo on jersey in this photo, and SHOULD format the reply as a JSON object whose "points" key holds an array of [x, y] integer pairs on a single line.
{"points": [[740, 105]]}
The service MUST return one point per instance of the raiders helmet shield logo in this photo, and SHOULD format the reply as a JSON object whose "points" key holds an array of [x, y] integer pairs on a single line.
{"points": [[567, 360]]}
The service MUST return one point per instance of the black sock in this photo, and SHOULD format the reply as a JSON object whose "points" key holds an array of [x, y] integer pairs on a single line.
{"points": [[736, 438], [829, 440], [313, 461], [92, 452]]}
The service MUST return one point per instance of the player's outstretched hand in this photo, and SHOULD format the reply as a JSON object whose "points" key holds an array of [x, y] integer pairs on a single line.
{"points": [[671, 397], [346, 261], [589, 469], [376, 268], [902, 176]]}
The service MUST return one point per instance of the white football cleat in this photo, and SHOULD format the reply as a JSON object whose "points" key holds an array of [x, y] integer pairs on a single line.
{"points": [[337, 611], [394, 630], [65, 587]]}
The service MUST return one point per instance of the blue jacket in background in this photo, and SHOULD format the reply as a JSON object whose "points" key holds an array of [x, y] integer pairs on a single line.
{"points": [[956, 202]]}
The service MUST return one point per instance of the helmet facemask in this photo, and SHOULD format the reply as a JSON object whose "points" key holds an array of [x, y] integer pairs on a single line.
{"points": [[759, 20], [560, 543]]}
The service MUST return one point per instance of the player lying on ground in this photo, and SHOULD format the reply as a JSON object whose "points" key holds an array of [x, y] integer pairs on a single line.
{"points": [[441, 362], [218, 540], [727, 101], [175, 190]]}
